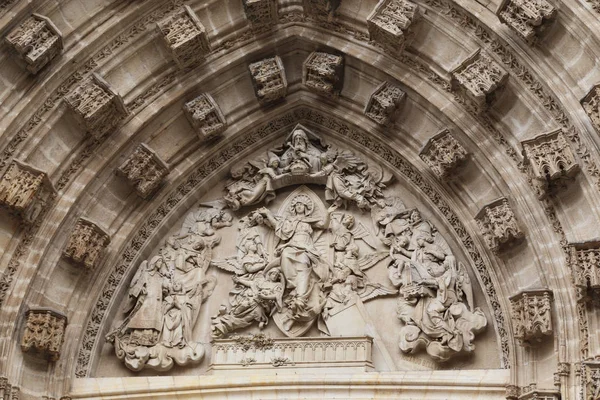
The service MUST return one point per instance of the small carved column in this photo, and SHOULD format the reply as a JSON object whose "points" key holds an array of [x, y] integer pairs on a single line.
{"points": [[585, 266], [528, 18], [86, 244], [261, 12], [531, 315], [591, 379], [389, 23], [144, 170], [268, 79], [185, 36], [97, 107], [323, 73], [44, 332], [477, 81], [444, 154], [498, 225], [25, 191], [321, 9], [8, 391], [205, 116], [384, 102], [35, 42], [591, 105]]}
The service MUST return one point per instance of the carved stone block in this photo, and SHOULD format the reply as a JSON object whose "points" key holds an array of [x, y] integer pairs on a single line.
{"points": [[528, 18], [8, 391], [531, 315], [185, 37], [591, 105], [478, 80], [86, 244], [268, 79], [35, 42], [323, 73], [443, 153], [144, 170], [384, 102], [390, 22], [97, 107], [591, 379], [498, 225], [25, 191], [261, 12], [44, 332], [585, 264], [322, 9], [205, 116]]}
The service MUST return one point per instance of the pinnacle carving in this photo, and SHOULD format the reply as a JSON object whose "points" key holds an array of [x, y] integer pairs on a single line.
{"points": [[390, 21], [528, 18], [384, 102], [96, 106], [444, 154], [531, 315], [144, 170], [477, 81], [261, 12], [44, 332], [35, 42], [585, 264], [25, 191], [322, 9], [551, 161], [205, 116], [498, 225], [591, 105], [185, 37], [323, 73], [591, 379], [7, 390], [268, 79], [86, 244]]}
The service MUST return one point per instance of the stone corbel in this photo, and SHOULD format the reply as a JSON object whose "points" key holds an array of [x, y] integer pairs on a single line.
{"points": [[86, 244], [44, 332], [591, 105], [261, 13], [205, 116], [268, 79], [528, 18], [531, 316], [444, 154], [499, 225], [144, 170], [384, 103], [584, 261], [390, 24], [323, 73]]}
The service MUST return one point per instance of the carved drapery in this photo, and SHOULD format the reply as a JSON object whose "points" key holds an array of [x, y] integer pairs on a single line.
{"points": [[261, 12], [444, 154], [144, 170], [268, 79], [585, 264], [528, 18], [532, 315], [44, 332], [323, 73], [205, 116], [498, 225], [86, 244], [384, 103], [390, 21]]}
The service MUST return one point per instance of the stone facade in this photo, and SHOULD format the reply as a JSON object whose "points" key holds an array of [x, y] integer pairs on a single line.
{"points": [[498, 225], [268, 78], [44, 333], [532, 315], [443, 154], [144, 170], [528, 18], [323, 73], [389, 23], [384, 103], [205, 116], [86, 244]]}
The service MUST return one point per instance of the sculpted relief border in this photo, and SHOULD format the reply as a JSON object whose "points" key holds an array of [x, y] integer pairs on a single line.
{"points": [[196, 178]]}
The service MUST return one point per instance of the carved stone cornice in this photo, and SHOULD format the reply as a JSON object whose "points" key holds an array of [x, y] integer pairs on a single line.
{"points": [[205, 116], [384, 103], [96, 106], [7, 390], [444, 154], [591, 105], [321, 9], [144, 170], [44, 332], [25, 191], [261, 12], [498, 225], [35, 42], [528, 18], [323, 73], [268, 79], [86, 244], [584, 261], [390, 21], [531, 315], [185, 37]]}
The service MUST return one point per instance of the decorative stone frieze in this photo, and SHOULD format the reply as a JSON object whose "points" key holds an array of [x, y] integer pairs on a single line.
{"points": [[585, 264], [44, 332], [261, 12], [531, 392], [323, 73], [528, 18], [478, 80], [205, 116], [444, 154], [268, 79], [384, 102], [322, 9], [144, 170], [8, 391], [498, 225], [390, 21], [25, 191], [96, 106], [86, 244], [591, 379], [35, 42], [591, 105], [531, 315], [550, 160], [185, 37]]}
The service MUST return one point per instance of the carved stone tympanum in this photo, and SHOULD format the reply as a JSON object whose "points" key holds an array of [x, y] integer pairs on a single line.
{"points": [[44, 332], [185, 37], [7, 390], [35, 42], [585, 263], [444, 154], [527, 18], [144, 170], [477, 81], [25, 190], [384, 102], [322, 9], [390, 21], [323, 73], [86, 244], [261, 12], [498, 225], [97, 107], [532, 315], [268, 79], [205, 116], [591, 105]]}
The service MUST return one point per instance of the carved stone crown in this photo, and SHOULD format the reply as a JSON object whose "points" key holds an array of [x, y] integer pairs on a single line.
{"points": [[444, 154], [323, 73], [390, 21], [205, 116], [268, 79], [384, 102], [44, 332], [261, 12], [498, 225], [528, 18], [532, 315], [144, 170], [86, 244]]}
